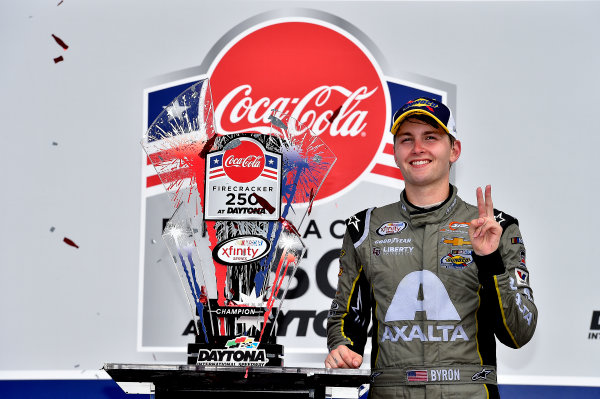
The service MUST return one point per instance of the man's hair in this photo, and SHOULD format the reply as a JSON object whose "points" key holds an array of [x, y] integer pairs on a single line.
{"points": [[430, 121]]}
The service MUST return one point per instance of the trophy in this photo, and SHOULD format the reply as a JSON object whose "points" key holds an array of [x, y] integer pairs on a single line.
{"points": [[239, 200]]}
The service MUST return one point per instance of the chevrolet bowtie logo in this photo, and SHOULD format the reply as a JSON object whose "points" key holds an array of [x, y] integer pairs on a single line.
{"points": [[457, 241]]}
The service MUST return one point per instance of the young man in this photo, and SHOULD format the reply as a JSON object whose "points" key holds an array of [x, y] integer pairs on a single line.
{"points": [[440, 277]]}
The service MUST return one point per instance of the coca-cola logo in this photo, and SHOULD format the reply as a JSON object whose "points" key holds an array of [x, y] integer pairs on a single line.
{"points": [[245, 162], [315, 72]]}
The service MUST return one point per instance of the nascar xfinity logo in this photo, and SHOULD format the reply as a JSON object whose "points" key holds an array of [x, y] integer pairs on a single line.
{"points": [[391, 228]]}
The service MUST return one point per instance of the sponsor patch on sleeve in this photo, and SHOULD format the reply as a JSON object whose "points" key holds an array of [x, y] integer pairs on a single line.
{"points": [[522, 277], [516, 240]]}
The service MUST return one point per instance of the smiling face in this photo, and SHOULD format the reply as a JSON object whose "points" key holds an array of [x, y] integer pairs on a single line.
{"points": [[424, 155]]}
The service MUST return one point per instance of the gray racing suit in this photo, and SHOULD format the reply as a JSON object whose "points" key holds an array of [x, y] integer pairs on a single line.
{"points": [[436, 306]]}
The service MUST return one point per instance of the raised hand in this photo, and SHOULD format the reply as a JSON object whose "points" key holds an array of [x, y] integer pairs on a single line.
{"points": [[485, 231], [344, 358]]}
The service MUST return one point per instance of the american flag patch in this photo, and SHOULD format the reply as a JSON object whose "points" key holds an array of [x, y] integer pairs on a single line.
{"points": [[416, 376]]}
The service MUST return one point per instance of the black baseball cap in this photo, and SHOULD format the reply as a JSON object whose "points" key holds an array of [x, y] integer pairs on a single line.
{"points": [[425, 106]]}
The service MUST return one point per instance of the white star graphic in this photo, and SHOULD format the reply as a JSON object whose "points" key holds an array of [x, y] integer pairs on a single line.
{"points": [[499, 218], [354, 221], [175, 110]]}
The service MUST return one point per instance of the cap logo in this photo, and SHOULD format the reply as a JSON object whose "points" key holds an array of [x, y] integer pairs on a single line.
{"points": [[422, 102]]}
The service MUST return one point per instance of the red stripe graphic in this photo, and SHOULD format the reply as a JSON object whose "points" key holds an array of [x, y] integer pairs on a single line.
{"points": [[388, 149], [385, 170], [268, 176], [214, 176]]}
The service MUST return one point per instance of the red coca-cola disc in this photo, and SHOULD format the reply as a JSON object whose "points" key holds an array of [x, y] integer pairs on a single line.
{"points": [[245, 162], [319, 74]]}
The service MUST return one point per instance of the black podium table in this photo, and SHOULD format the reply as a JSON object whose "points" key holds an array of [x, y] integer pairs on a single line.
{"points": [[190, 381]]}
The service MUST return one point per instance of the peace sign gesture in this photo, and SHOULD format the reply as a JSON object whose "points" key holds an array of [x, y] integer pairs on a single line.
{"points": [[485, 231]]}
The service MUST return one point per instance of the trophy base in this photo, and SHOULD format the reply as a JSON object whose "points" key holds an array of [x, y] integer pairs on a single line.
{"points": [[217, 354]]}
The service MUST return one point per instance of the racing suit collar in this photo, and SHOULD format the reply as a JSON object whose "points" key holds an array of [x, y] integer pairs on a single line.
{"points": [[420, 216]]}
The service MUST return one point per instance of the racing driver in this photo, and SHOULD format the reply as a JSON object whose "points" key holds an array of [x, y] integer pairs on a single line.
{"points": [[441, 278]]}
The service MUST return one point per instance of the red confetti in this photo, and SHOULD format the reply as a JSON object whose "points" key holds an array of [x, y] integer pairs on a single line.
{"points": [[312, 196], [207, 147], [335, 114], [288, 226], [70, 242], [58, 59], [264, 203], [60, 42]]}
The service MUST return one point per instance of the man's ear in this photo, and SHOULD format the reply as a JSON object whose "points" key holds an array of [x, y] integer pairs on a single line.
{"points": [[455, 151]]}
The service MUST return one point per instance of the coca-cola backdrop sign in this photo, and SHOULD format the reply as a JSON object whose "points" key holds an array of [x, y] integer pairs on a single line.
{"points": [[313, 67], [320, 76]]}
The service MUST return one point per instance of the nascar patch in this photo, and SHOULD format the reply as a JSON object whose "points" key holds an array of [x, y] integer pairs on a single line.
{"points": [[391, 228], [516, 240]]}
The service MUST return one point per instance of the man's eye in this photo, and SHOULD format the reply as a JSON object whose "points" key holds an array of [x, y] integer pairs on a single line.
{"points": [[430, 138], [405, 139]]}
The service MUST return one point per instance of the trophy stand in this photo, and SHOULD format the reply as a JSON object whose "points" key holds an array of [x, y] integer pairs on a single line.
{"points": [[239, 199]]}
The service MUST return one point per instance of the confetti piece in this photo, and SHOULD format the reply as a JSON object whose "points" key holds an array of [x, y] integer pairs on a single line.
{"points": [[153, 356], [232, 144], [61, 1], [153, 241], [77, 365], [264, 203], [310, 200], [58, 59], [60, 42], [159, 260], [207, 147], [52, 228], [246, 376], [54, 143], [275, 121], [288, 225], [335, 114], [70, 242]]}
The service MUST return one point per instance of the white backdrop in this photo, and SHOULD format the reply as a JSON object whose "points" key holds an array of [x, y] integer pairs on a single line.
{"points": [[526, 106]]}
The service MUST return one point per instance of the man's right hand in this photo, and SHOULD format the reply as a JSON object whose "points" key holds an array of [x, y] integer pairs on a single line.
{"points": [[344, 358]]}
